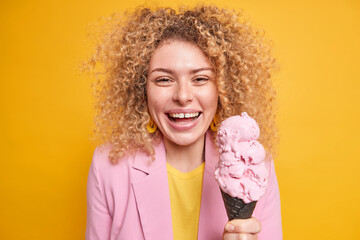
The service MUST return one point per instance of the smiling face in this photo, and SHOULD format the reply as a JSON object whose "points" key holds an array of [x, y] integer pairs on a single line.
{"points": [[181, 91]]}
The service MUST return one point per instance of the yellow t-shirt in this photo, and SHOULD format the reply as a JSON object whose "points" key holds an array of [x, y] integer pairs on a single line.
{"points": [[185, 199]]}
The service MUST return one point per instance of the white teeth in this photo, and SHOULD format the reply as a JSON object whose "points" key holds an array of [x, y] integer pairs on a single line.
{"points": [[184, 115]]}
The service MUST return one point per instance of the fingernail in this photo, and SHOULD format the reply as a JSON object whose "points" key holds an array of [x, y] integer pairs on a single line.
{"points": [[229, 227]]}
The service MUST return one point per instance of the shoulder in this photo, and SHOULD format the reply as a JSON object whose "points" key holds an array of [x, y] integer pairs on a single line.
{"points": [[271, 167], [108, 173], [268, 208], [272, 191], [102, 161]]}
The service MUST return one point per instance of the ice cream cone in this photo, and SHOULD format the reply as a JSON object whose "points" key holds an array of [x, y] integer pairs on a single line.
{"points": [[236, 208], [241, 172]]}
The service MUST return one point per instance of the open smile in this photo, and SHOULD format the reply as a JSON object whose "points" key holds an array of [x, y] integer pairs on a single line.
{"points": [[183, 120]]}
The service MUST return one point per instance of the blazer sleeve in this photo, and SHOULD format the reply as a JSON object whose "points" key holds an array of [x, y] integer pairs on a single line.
{"points": [[268, 210], [99, 220]]}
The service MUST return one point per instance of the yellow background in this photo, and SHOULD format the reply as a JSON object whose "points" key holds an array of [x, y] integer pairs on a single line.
{"points": [[46, 114]]}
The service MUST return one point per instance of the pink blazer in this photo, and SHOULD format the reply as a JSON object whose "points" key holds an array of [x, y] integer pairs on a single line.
{"points": [[131, 200]]}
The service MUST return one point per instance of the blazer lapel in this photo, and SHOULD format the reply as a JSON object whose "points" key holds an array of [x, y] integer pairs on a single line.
{"points": [[212, 211], [152, 195]]}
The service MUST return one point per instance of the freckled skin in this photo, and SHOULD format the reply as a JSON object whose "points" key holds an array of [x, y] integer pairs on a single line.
{"points": [[181, 79]]}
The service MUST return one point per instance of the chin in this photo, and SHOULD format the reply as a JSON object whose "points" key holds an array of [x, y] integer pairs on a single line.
{"points": [[181, 140]]}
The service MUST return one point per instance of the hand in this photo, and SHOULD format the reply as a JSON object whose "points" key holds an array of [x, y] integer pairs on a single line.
{"points": [[242, 229]]}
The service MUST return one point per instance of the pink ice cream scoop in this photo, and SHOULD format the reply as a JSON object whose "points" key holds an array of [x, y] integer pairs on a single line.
{"points": [[241, 171]]}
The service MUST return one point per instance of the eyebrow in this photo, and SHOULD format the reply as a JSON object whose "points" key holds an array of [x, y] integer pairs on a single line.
{"points": [[172, 72]]}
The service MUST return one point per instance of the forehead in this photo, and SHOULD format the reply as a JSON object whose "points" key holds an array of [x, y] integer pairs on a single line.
{"points": [[178, 53]]}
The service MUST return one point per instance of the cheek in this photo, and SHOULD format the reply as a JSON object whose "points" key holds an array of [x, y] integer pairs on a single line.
{"points": [[151, 98], [158, 97], [152, 105], [215, 97], [210, 98], [156, 104]]}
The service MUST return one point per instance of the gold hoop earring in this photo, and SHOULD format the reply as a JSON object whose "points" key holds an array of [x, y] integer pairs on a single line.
{"points": [[214, 123], [151, 126]]}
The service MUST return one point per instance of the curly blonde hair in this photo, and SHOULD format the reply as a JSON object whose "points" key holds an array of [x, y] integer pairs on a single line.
{"points": [[238, 52]]}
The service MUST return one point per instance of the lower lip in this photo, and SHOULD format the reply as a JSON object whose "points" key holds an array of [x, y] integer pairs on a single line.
{"points": [[184, 125]]}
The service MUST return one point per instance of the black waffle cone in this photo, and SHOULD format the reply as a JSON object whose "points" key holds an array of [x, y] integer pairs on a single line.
{"points": [[236, 208]]}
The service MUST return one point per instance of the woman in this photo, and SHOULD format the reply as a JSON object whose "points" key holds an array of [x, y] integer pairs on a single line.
{"points": [[169, 77]]}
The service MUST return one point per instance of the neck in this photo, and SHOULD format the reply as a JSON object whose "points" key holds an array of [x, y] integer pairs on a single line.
{"points": [[185, 158]]}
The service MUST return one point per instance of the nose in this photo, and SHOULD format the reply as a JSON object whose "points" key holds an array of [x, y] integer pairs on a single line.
{"points": [[183, 93]]}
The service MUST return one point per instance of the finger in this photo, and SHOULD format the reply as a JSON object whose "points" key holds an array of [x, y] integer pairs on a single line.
{"points": [[250, 225], [239, 236]]}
